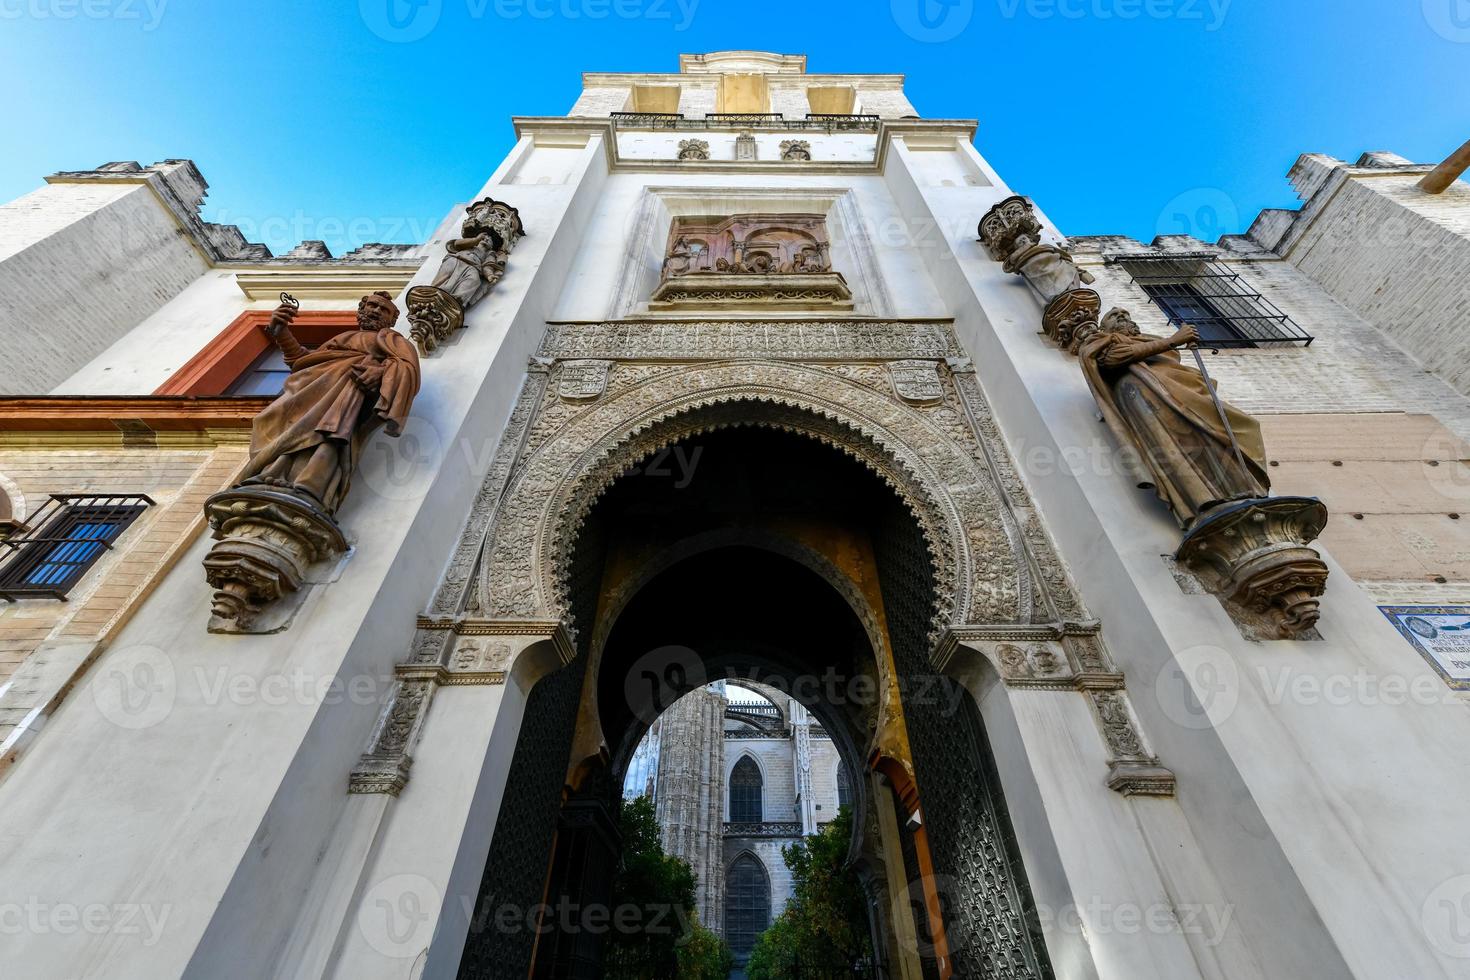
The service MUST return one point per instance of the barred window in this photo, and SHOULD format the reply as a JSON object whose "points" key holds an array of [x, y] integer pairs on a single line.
{"points": [[745, 792], [63, 539], [747, 903], [1194, 289]]}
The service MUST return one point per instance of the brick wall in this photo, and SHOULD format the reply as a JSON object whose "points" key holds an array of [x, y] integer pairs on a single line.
{"points": [[80, 265], [45, 643]]}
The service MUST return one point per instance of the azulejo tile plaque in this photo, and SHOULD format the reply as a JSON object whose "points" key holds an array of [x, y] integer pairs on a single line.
{"points": [[1441, 634]]}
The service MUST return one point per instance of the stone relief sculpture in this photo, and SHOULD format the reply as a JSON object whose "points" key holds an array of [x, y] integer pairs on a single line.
{"points": [[765, 259], [693, 149], [471, 267], [278, 520], [796, 150], [1204, 458]]}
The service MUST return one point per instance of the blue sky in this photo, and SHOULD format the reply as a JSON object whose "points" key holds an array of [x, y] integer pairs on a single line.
{"points": [[334, 120]]}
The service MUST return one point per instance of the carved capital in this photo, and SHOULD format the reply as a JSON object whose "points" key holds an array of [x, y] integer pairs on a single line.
{"points": [[1009, 226], [433, 315], [1071, 317]]}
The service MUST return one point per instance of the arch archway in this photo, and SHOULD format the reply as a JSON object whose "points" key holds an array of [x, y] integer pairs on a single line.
{"points": [[747, 903], [799, 548]]}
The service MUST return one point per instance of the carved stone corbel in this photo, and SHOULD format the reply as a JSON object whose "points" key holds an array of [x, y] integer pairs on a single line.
{"points": [[1255, 554], [268, 539]]}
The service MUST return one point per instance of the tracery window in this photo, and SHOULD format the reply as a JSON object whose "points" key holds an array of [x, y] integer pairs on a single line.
{"points": [[747, 903], [844, 790], [745, 792]]}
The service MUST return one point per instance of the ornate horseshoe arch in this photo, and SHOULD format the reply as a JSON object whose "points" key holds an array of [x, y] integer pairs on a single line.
{"points": [[980, 554]]}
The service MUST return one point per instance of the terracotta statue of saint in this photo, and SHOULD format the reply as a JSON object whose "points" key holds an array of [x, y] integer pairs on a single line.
{"points": [[308, 439], [1153, 402]]}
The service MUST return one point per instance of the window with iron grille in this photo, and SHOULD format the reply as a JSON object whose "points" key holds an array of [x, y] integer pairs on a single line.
{"points": [[745, 792], [747, 903], [1194, 289], [63, 539]]}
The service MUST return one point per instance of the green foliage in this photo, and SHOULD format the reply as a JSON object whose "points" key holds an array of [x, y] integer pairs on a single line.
{"points": [[824, 927], [655, 893], [705, 956]]}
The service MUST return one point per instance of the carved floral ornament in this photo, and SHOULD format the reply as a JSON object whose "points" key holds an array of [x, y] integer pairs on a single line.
{"points": [[693, 149], [796, 150]]}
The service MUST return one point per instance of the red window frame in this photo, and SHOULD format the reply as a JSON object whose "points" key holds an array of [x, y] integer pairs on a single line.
{"points": [[236, 348]]}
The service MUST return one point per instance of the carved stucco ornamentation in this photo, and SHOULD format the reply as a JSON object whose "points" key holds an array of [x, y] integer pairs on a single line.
{"points": [[945, 459], [962, 512], [384, 769], [693, 149], [582, 380], [796, 150], [917, 382]]}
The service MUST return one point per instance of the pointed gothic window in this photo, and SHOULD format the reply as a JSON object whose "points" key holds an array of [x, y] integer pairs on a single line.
{"points": [[745, 792], [747, 903], [844, 791]]}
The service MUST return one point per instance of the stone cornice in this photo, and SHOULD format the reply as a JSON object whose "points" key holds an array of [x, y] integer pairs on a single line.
{"points": [[83, 413], [578, 130], [169, 422]]}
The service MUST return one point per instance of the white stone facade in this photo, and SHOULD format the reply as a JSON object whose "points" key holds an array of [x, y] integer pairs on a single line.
{"points": [[1322, 785]]}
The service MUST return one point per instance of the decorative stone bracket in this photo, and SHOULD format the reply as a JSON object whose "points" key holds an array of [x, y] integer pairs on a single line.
{"points": [[463, 652], [267, 542], [1064, 657], [1252, 554]]}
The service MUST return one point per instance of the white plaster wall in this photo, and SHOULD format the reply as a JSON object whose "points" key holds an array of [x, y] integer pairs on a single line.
{"points": [[80, 265]]}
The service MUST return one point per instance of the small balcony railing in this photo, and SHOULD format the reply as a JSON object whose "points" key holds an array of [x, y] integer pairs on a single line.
{"points": [[763, 828], [817, 122]]}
